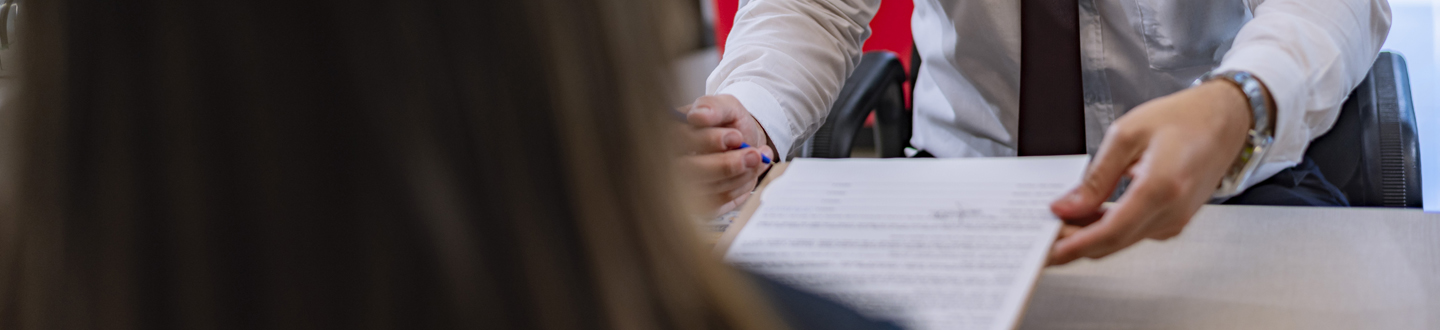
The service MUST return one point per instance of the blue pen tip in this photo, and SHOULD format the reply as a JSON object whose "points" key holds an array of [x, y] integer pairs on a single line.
{"points": [[744, 145], [765, 158]]}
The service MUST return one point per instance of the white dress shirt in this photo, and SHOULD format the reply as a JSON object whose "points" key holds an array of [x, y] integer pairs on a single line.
{"points": [[786, 60]]}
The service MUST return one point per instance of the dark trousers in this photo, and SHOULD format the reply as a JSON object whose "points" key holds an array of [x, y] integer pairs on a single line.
{"points": [[1302, 185]]}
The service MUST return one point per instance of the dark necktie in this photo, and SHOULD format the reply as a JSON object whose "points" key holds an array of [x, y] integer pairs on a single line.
{"points": [[1052, 113]]}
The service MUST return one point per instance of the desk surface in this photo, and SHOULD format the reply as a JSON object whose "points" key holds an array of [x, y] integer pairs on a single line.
{"points": [[1251, 267]]}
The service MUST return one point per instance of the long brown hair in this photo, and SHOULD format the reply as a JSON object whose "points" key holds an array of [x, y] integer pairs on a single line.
{"points": [[347, 164]]}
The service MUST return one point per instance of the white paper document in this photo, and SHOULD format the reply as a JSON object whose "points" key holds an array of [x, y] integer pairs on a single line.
{"points": [[927, 243]]}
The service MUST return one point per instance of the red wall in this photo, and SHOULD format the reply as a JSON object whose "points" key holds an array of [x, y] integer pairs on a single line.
{"points": [[890, 30]]}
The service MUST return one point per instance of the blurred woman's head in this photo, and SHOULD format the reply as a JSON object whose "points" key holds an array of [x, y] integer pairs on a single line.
{"points": [[357, 164]]}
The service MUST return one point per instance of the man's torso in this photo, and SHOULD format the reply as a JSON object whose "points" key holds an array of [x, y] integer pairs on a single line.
{"points": [[967, 96]]}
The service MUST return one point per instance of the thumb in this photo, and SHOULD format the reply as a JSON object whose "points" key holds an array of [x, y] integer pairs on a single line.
{"points": [[1116, 155]]}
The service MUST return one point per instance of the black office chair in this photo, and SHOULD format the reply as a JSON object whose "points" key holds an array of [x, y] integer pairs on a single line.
{"points": [[1372, 154], [875, 85]]}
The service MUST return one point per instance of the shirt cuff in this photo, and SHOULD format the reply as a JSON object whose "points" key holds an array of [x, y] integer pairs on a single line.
{"points": [[1286, 82], [766, 110]]}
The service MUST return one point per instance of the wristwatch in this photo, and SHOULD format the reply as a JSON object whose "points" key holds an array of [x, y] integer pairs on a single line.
{"points": [[1260, 137]]}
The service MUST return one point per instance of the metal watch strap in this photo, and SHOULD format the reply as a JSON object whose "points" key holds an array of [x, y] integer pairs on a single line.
{"points": [[1260, 136], [1254, 94]]}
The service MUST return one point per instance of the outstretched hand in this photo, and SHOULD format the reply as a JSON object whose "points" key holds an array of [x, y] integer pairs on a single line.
{"points": [[1175, 149]]}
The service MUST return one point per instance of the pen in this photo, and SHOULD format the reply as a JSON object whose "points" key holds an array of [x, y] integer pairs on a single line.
{"points": [[763, 157], [681, 117]]}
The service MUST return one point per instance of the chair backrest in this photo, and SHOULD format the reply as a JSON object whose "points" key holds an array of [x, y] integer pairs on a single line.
{"points": [[876, 91], [1373, 152], [890, 30]]}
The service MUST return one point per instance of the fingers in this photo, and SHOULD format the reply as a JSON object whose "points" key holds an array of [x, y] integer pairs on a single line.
{"points": [[720, 166], [1057, 257], [738, 184], [1120, 150], [1104, 231], [1066, 231], [1087, 219], [714, 111], [730, 191], [713, 139], [1123, 225]]}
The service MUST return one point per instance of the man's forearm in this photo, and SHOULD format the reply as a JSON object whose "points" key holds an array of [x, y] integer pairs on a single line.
{"points": [[786, 60], [1310, 54]]}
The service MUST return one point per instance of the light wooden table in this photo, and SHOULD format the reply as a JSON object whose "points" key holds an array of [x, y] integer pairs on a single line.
{"points": [[1250, 267]]}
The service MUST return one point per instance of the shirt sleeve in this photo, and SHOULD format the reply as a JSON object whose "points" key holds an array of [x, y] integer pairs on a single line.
{"points": [[786, 60], [1309, 54]]}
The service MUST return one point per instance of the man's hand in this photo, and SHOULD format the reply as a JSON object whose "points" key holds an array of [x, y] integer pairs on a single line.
{"points": [[1175, 149], [724, 174], [726, 111]]}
